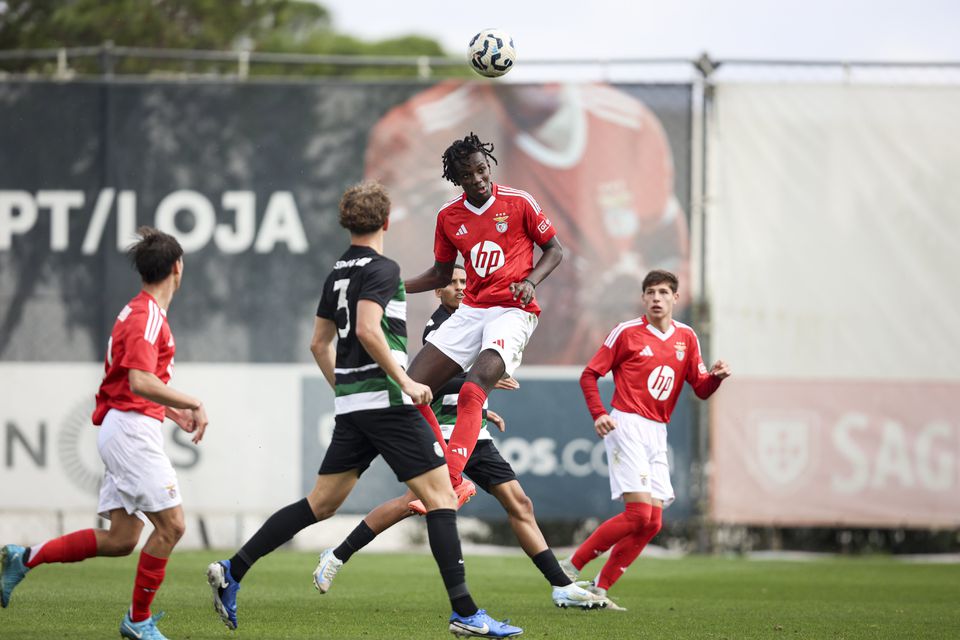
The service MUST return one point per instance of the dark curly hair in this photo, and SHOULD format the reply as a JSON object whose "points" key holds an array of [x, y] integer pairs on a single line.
{"points": [[460, 150]]}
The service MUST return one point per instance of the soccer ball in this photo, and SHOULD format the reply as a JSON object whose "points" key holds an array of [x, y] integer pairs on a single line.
{"points": [[491, 53]]}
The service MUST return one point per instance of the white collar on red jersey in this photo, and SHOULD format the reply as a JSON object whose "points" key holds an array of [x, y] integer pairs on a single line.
{"points": [[660, 334], [486, 205]]}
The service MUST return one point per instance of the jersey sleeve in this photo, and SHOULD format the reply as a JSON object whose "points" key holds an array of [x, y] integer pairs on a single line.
{"points": [[428, 329], [140, 334], [698, 376], [380, 281], [601, 363], [327, 306], [538, 226], [443, 249]]}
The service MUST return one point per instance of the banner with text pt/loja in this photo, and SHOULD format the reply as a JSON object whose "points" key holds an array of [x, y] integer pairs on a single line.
{"points": [[827, 453]]}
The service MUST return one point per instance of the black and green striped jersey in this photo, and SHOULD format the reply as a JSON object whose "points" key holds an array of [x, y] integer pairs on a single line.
{"points": [[444, 404], [363, 274]]}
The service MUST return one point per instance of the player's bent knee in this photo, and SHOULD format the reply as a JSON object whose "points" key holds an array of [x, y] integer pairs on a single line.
{"points": [[323, 511], [438, 496], [519, 506], [119, 547], [118, 543]]}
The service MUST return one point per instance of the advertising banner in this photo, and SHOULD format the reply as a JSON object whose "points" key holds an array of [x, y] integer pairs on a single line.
{"points": [[269, 428], [836, 453], [248, 177], [833, 226]]}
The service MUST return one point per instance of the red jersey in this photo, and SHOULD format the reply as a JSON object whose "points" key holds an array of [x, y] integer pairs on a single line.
{"points": [[141, 339], [496, 242], [649, 368]]}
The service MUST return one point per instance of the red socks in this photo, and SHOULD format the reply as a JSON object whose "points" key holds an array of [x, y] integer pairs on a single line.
{"points": [[465, 432], [150, 572], [431, 419], [627, 550], [634, 517], [80, 545], [72, 547]]}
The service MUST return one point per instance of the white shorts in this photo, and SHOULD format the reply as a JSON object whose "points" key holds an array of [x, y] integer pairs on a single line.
{"points": [[637, 456], [139, 477], [470, 330]]}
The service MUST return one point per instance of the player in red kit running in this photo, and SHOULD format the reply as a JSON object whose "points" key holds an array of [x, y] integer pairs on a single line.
{"points": [[139, 483], [494, 228], [650, 358]]}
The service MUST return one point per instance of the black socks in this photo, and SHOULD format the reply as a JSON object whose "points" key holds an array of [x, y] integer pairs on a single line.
{"points": [[445, 545], [360, 537], [278, 529], [550, 568]]}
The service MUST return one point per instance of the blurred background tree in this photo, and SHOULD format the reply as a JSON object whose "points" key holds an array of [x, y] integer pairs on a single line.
{"points": [[277, 26]]}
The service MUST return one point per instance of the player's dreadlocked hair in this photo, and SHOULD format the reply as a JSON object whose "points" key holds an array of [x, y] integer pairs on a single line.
{"points": [[460, 150]]}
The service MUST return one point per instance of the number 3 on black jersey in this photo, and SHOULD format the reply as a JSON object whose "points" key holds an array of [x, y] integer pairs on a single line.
{"points": [[343, 328]]}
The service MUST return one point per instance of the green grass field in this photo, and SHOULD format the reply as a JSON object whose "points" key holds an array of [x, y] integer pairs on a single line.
{"points": [[401, 596]]}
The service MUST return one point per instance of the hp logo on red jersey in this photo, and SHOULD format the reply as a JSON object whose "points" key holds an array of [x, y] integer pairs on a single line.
{"points": [[660, 382], [486, 257]]}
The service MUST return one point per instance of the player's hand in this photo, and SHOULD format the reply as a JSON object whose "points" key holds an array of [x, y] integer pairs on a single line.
{"points": [[604, 425], [419, 393], [523, 290], [182, 418], [720, 370], [507, 384], [200, 421], [497, 420]]}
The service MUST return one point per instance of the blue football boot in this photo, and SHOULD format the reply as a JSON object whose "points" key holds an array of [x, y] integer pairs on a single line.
{"points": [[143, 630], [224, 589], [481, 625], [12, 570]]}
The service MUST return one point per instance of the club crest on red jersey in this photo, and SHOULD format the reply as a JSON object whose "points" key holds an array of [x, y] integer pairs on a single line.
{"points": [[681, 350], [501, 221]]}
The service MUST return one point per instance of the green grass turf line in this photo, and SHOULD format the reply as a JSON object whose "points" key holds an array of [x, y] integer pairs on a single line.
{"points": [[401, 596]]}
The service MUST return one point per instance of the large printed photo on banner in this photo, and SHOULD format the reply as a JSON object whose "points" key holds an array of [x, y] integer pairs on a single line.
{"points": [[248, 177], [608, 165]]}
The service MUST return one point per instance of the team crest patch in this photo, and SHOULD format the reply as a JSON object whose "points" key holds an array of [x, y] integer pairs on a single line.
{"points": [[437, 450], [501, 221], [171, 490], [681, 350]]}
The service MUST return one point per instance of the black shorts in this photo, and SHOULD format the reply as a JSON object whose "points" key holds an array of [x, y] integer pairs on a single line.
{"points": [[486, 467], [399, 434]]}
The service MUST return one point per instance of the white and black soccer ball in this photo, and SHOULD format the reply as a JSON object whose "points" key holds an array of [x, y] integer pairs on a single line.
{"points": [[491, 53]]}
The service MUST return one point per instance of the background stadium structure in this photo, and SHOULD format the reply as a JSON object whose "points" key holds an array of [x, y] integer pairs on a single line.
{"points": [[811, 209]]}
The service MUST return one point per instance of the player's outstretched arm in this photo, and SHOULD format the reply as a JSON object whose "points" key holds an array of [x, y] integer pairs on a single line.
{"points": [[436, 277], [705, 382]]}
